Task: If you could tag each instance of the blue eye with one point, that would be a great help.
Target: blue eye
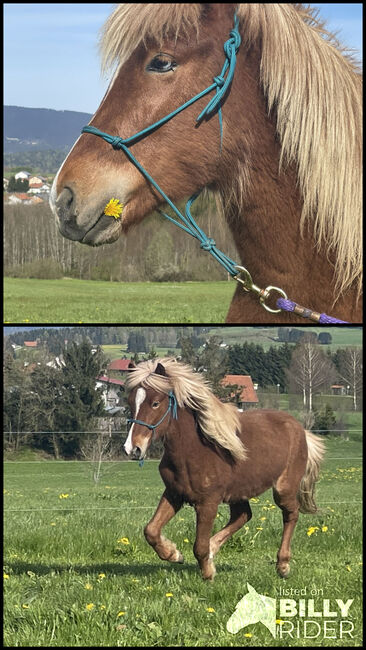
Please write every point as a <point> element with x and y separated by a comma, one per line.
<point>161,63</point>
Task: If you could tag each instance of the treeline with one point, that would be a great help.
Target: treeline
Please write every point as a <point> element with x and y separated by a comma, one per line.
<point>43,162</point>
<point>155,250</point>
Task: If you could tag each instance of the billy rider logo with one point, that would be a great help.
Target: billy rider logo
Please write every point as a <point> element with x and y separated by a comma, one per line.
<point>298,619</point>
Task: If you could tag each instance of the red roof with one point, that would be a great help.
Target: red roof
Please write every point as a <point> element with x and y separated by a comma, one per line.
<point>22,196</point>
<point>248,393</point>
<point>110,380</point>
<point>31,344</point>
<point>119,364</point>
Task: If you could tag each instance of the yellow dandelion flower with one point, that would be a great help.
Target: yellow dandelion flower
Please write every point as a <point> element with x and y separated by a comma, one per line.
<point>186,540</point>
<point>89,606</point>
<point>278,621</point>
<point>120,614</point>
<point>63,496</point>
<point>312,530</point>
<point>248,634</point>
<point>102,607</point>
<point>25,606</point>
<point>123,540</point>
<point>259,528</point>
<point>101,576</point>
<point>210,609</point>
<point>324,529</point>
<point>348,568</point>
<point>263,518</point>
<point>113,208</point>
<point>169,595</point>
<point>88,586</point>
<point>52,523</point>
<point>6,577</point>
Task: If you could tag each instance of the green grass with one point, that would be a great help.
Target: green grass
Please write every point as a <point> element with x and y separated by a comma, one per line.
<point>87,301</point>
<point>63,554</point>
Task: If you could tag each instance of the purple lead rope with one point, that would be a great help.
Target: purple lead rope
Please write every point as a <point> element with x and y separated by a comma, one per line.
<point>289,305</point>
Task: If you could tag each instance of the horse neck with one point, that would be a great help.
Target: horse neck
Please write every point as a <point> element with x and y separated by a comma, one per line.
<point>182,435</point>
<point>266,223</point>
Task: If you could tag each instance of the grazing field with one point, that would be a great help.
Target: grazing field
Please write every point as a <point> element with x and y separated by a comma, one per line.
<point>78,572</point>
<point>88,301</point>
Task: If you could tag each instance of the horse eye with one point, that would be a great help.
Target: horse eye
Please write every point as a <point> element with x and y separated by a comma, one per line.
<point>155,405</point>
<point>161,63</point>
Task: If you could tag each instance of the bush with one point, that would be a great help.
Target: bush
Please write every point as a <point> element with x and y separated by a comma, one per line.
<point>46,269</point>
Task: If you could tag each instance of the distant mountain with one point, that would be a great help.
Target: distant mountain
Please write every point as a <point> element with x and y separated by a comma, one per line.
<point>39,129</point>
<point>15,329</point>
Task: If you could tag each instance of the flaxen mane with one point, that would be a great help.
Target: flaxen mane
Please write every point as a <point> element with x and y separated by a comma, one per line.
<point>315,89</point>
<point>219,422</point>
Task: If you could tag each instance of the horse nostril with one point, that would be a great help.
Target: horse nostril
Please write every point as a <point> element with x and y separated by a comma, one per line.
<point>64,204</point>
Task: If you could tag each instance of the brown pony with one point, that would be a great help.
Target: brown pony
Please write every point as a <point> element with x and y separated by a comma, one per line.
<point>288,177</point>
<point>213,454</point>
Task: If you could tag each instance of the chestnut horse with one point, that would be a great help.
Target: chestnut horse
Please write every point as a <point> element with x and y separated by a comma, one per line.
<point>286,169</point>
<point>213,454</point>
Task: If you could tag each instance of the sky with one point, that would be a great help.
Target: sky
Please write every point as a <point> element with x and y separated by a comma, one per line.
<point>51,55</point>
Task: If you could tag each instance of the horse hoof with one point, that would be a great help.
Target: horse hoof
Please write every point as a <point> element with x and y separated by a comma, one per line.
<point>177,557</point>
<point>283,570</point>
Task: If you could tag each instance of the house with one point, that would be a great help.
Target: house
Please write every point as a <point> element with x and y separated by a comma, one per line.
<point>338,389</point>
<point>30,344</point>
<point>248,396</point>
<point>23,176</point>
<point>19,197</point>
<point>112,391</point>
<point>120,364</point>
<point>36,180</point>
<point>37,188</point>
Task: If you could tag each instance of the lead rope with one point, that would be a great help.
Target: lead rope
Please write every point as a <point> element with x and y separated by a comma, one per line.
<point>239,273</point>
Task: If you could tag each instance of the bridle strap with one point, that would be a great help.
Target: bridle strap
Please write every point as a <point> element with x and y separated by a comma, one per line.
<point>172,407</point>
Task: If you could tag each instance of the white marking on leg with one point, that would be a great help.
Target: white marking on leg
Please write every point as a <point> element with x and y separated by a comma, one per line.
<point>139,399</point>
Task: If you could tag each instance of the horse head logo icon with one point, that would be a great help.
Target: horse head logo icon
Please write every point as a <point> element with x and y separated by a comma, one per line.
<point>253,608</point>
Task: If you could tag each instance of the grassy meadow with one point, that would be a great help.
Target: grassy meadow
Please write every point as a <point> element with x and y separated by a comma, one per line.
<point>78,571</point>
<point>88,301</point>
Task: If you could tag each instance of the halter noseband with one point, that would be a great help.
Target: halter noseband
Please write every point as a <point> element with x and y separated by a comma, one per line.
<point>171,408</point>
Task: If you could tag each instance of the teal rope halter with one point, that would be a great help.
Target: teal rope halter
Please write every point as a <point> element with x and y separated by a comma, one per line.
<point>221,85</point>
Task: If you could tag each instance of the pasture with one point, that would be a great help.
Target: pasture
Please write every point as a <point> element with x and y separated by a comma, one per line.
<point>78,572</point>
<point>88,301</point>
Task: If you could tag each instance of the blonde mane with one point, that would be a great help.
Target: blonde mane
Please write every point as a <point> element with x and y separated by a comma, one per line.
<point>218,422</point>
<point>315,89</point>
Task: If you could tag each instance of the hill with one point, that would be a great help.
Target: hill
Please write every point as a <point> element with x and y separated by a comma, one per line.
<point>40,129</point>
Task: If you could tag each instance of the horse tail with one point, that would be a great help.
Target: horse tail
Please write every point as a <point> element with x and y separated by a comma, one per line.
<point>316,450</point>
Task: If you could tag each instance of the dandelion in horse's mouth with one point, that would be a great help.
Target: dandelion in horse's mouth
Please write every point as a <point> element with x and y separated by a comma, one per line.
<point>113,208</point>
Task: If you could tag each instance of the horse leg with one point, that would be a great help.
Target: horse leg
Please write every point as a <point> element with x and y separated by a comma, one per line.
<point>205,515</point>
<point>290,513</point>
<point>240,514</point>
<point>167,508</point>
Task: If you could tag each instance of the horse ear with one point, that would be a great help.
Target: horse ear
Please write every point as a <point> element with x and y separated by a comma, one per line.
<point>160,370</point>
<point>131,365</point>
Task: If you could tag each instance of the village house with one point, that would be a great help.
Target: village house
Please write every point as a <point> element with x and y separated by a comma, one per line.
<point>248,396</point>
<point>22,176</point>
<point>112,393</point>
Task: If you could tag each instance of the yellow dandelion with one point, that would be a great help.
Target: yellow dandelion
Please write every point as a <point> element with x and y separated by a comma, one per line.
<point>324,529</point>
<point>278,621</point>
<point>52,523</point>
<point>6,577</point>
<point>25,606</point>
<point>263,518</point>
<point>259,528</point>
<point>123,540</point>
<point>120,614</point>
<point>89,606</point>
<point>312,530</point>
<point>113,208</point>
<point>186,540</point>
<point>88,586</point>
<point>210,609</point>
<point>63,496</point>
<point>169,595</point>
<point>101,576</point>
<point>248,634</point>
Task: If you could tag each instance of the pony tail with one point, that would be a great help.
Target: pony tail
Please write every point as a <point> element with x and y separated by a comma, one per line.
<point>305,495</point>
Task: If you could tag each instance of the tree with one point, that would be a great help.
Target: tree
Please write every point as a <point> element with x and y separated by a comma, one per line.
<point>351,371</point>
<point>310,370</point>
<point>324,420</point>
<point>80,402</point>
<point>324,338</point>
